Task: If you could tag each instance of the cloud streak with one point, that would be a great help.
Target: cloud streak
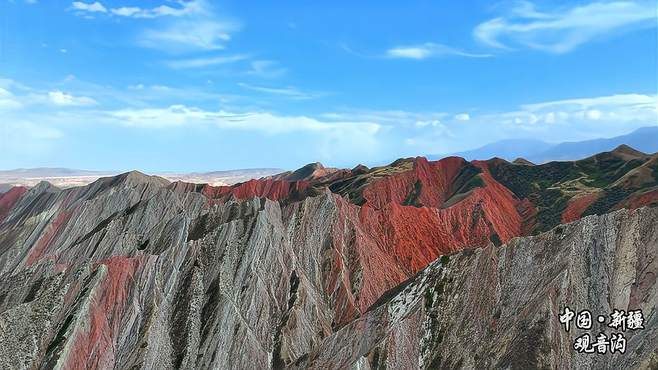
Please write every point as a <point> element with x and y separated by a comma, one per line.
<point>291,92</point>
<point>193,25</point>
<point>185,8</point>
<point>562,30</point>
<point>266,69</point>
<point>8,101</point>
<point>60,98</point>
<point>267,122</point>
<point>189,35</point>
<point>94,7</point>
<point>205,62</point>
<point>429,50</point>
<point>48,117</point>
<point>42,121</point>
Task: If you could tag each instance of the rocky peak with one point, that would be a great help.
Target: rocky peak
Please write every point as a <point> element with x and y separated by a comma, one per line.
<point>523,161</point>
<point>628,152</point>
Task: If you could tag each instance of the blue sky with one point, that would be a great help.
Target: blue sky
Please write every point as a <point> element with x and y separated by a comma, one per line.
<point>199,85</point>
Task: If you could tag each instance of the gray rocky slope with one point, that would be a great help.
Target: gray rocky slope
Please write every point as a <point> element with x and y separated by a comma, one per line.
<point>132,272</point>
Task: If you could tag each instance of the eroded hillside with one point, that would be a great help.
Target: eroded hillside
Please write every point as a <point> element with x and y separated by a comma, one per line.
<point>133,271</point>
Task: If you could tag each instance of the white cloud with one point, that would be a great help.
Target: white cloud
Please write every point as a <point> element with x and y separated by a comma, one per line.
<point>640,100</point>
<point>205,62</point>
<point>341,134</point>
<point>428,50</point>
<point>94,7</point>
<point>613,110</point>
<point>552,121</point>
<point>15,96</point>
<point>186,8</point>
<point>410,52</point>
<point>38,117</point>
<point>433,123</point>
<point>562,30</point>
<point>388,117</point>
<point>61,98</point>
<point>181,115</point>
<point>266,69</point>
<point>593,114</point>
<point>127,11</point>
<point>433,132</point>
<point>8,101</point>
<point>193,25</point>
<point>291,92</point>
<point>462,117</point>
<point>189,35</point>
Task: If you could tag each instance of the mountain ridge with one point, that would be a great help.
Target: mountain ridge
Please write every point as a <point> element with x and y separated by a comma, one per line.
<point>322,268</point>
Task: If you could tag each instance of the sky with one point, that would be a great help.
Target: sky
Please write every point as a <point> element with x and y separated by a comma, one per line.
<point>174,85</point>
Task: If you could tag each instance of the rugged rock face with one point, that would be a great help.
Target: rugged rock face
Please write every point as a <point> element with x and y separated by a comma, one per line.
<point>315,268</point>
<point>498,307</point>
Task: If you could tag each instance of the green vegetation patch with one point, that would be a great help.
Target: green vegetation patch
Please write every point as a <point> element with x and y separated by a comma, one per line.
<point>467,179</point>
<point>605,203</point>
<point>551,204</point>
<point>475,182</point>
<point>538,184</point>
<point>352,187</point>
<point>604,169</point>
<point>495,239</point>
<point>543,184</point>
<point>412,198</point>
<point>525,181</point>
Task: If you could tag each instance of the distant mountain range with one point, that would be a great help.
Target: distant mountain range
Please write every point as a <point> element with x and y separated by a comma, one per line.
<point>644,139</point>
<point>536,151</point>
<point>68,177</point>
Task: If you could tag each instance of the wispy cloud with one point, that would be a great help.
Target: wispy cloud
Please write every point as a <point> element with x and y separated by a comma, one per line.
<point>32,119</point>
<point>186,8</point>
<point>182,115</point>
<point>573,119</point>
<point>205,62</point>
<point>290,92</point>
<point>60,98</point>
<point>626,100</point>
<point>563,29</point>
<point>266,69</point>
<point>193,24</point>
<point>20,100</point>
<point>16,96</point>
<point>388,117</point>
<point>553,121</point>
<point>8,101</point>
<point>429,50</point>
<point>183,8</point>
<point>462,117</point>
<point>189,35</point>
<point>617,109</point>
<point>94,7</point>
